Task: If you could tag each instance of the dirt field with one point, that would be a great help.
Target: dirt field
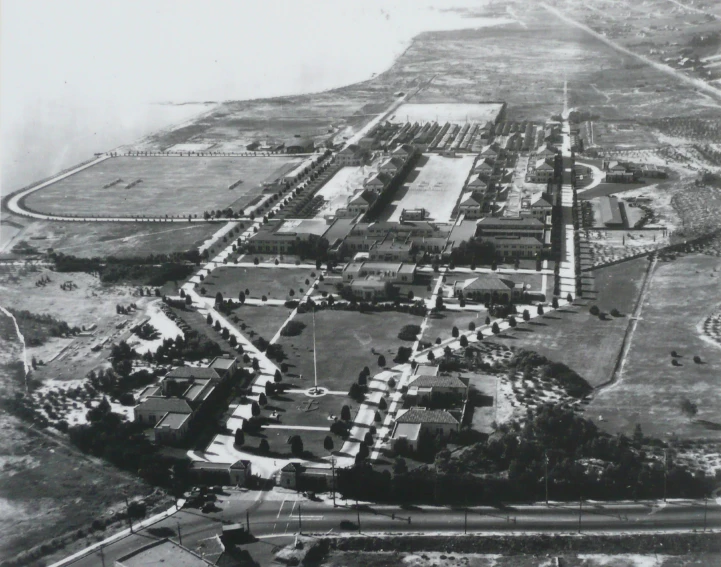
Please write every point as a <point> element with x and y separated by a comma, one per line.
<point>447,112</point>
<point>434,185</point>
<point>341,187</point>
<point>114,239</point>
<point>681,295</point>
<point>168,185</point>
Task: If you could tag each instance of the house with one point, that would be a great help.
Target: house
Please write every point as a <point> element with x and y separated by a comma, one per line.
<point>491,151</point>
<point>384,271</point>
<point>224,474</point>
<point>404,151</point>
<point>172,428</point>
<point>239,473</point>
<point>351,155</point>
<point>545,152</point>
<point>162,552</point>
<point>361,202</point>
<point>367,142</point>
<point>543,171</point>
<point>289,475</point>
<point>425,387</point>
<point>392,165</point>
<point>271,146</point>
<point>226,366</point>
<point>488,287</point>
<point>378,182</point>
<point>540,208</point>
<point>484,166</point>
<point>409,425</point>
<point>476,184</point>
<point>471,205</point>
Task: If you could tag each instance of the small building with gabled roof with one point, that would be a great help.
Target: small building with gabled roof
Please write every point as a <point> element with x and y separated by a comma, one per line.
<point>411,423</point>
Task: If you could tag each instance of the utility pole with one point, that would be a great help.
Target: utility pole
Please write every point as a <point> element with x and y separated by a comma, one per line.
<point>180,536</point>
<point>247,519</point>
<point>665,473</point>
<point>357,509</point>
<point>332,462</point>
<point>127,511</point>
<point>705,508</point>
<point>465,521</point>
<point>102,556</point>
<point>545,458</point>
<point>580,510</point>
<point>300,525</point>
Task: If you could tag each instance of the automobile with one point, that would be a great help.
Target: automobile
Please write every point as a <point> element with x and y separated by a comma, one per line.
<point>348,525</point>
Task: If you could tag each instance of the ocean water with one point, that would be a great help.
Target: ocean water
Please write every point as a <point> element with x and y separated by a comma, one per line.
<point>81,76</point>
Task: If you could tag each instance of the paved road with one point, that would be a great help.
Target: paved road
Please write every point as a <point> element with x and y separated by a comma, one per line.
<point>278,519</point>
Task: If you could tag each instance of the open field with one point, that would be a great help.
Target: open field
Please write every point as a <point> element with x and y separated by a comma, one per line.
<point>273,282</point>
<point>347,341</point>
<point>580,340</point>
<point>165,186</point>
<point>682,293</point>
<point>261,320</point>
<point>434,185</point>
<point>341,187</point>
<point>122,240</point>
<point>447,112</point>
<point>440,325</point>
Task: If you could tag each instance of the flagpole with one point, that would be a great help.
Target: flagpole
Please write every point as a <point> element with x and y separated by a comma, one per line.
<point>315,360</point>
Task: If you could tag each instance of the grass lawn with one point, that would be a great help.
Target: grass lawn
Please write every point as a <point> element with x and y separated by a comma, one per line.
<point>346,342</point>
<point>580,340</point>
<point>260,320</point>
<point>169,185</point>
<point>273,282</point>
<point>682,293</point>
<point>441,324</point>
<point>603,189</point>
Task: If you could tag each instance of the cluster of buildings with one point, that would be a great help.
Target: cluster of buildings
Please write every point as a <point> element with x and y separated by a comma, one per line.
<point>183,395</point>
<point>434,404</point>
<point>297,145</point>
<point>625,172</point>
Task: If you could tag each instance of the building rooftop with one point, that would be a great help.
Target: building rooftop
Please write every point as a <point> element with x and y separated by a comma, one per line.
<point>172,420</point>
<point>162,553</point>
<point>165,405</point>
<point>484,281</point>
<point>420,415</point>
<point>382,266</point>
<point>222,363</point>
<point>510,221</point>
<point>410,431</point>
<point>192,372</point>
<point>524,240</point>
<point>407,269</point>
<point>433,381</point>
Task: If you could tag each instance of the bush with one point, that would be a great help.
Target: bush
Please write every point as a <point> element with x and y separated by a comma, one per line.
<point>409,332</point>
<point>594,310</point>
<point>615,312</point>
<point>697,359</point>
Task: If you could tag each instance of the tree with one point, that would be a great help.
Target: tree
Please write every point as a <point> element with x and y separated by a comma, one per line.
<point>569,298</point>
<point>638,434</point>
<point>495,329</point>
<point>328,443</point>
<point>464,341</point>
<point>256,364</point>
<point>218,298</point>
<point>488,320</point>
<point>262,399</point>
<point>263,446</point>
<point>345,413</point>
<point>400,466</point>
<point>296,445</point>
<point>439,302</point>
<point>554,303</point>
<point>410,295</point>
<point>241,297</point>
<point>594,310</point>
<point>512,322</point>
<point>431,356</point>
<point>356,391</point>
<point>368,439</point>
<point>381,361</point>
<point>216,326</point>
<point>471,326</point>
<point>362,379</point>
<point>277,376</point>
<point>479,335</point>
<point>382,404</point>
<point>454,332</point>
<point>254,409</point>
<point>239,438</point>
<point>256,261</point>
<point>269,388</point>
<point>526,315</point>
<point>363,451</point>
<point>688,407</point>
<point>539,310</point>
<point>233,341</point>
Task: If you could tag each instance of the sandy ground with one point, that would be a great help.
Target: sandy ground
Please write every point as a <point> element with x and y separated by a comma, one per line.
<point>446,112</point>
<point>436,188</point>
<point>341,187</point>
<point>165,326</point>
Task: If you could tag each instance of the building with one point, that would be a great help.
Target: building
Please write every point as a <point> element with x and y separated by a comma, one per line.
<point>300,146</point>
<point>299,171</point>
<point>413,214</point>
<point>476,184</point>
<point>546,152</point>
<point>392,250</point>
<point>378,182</point>
<point>611,214</point>
<point>515,246</point>
<point>154,408</point>
<point>384,271</point>
<point>162,552</point>
<point>543,171</point>
<point>425,387</point>
<point>485,288</point>
<point>351,155</point>
<point>540,208</point>
<point>619,172</point>
<point>172,428</point>
<point>409,425</point>
<point>484,166</point>
<point>289,476</point>
<point>510,226</point>
<point>361,202</point>
<point>491,151</point>
<point>226,366</point>
<point>471,205</point>
<point>392,165</point>
<point>403,151</point>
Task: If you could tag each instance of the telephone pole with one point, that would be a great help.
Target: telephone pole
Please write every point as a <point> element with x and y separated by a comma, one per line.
<point>300,525</point>
<point>665,473</point>
<point>332,462</point>
<point>180,536</point>
<point>545,458</point>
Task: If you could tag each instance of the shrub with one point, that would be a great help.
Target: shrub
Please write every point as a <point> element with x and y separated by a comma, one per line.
<point>615,312</point>
<point>409,332</point>
<point>594,310</point>
<point>697,359</point>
